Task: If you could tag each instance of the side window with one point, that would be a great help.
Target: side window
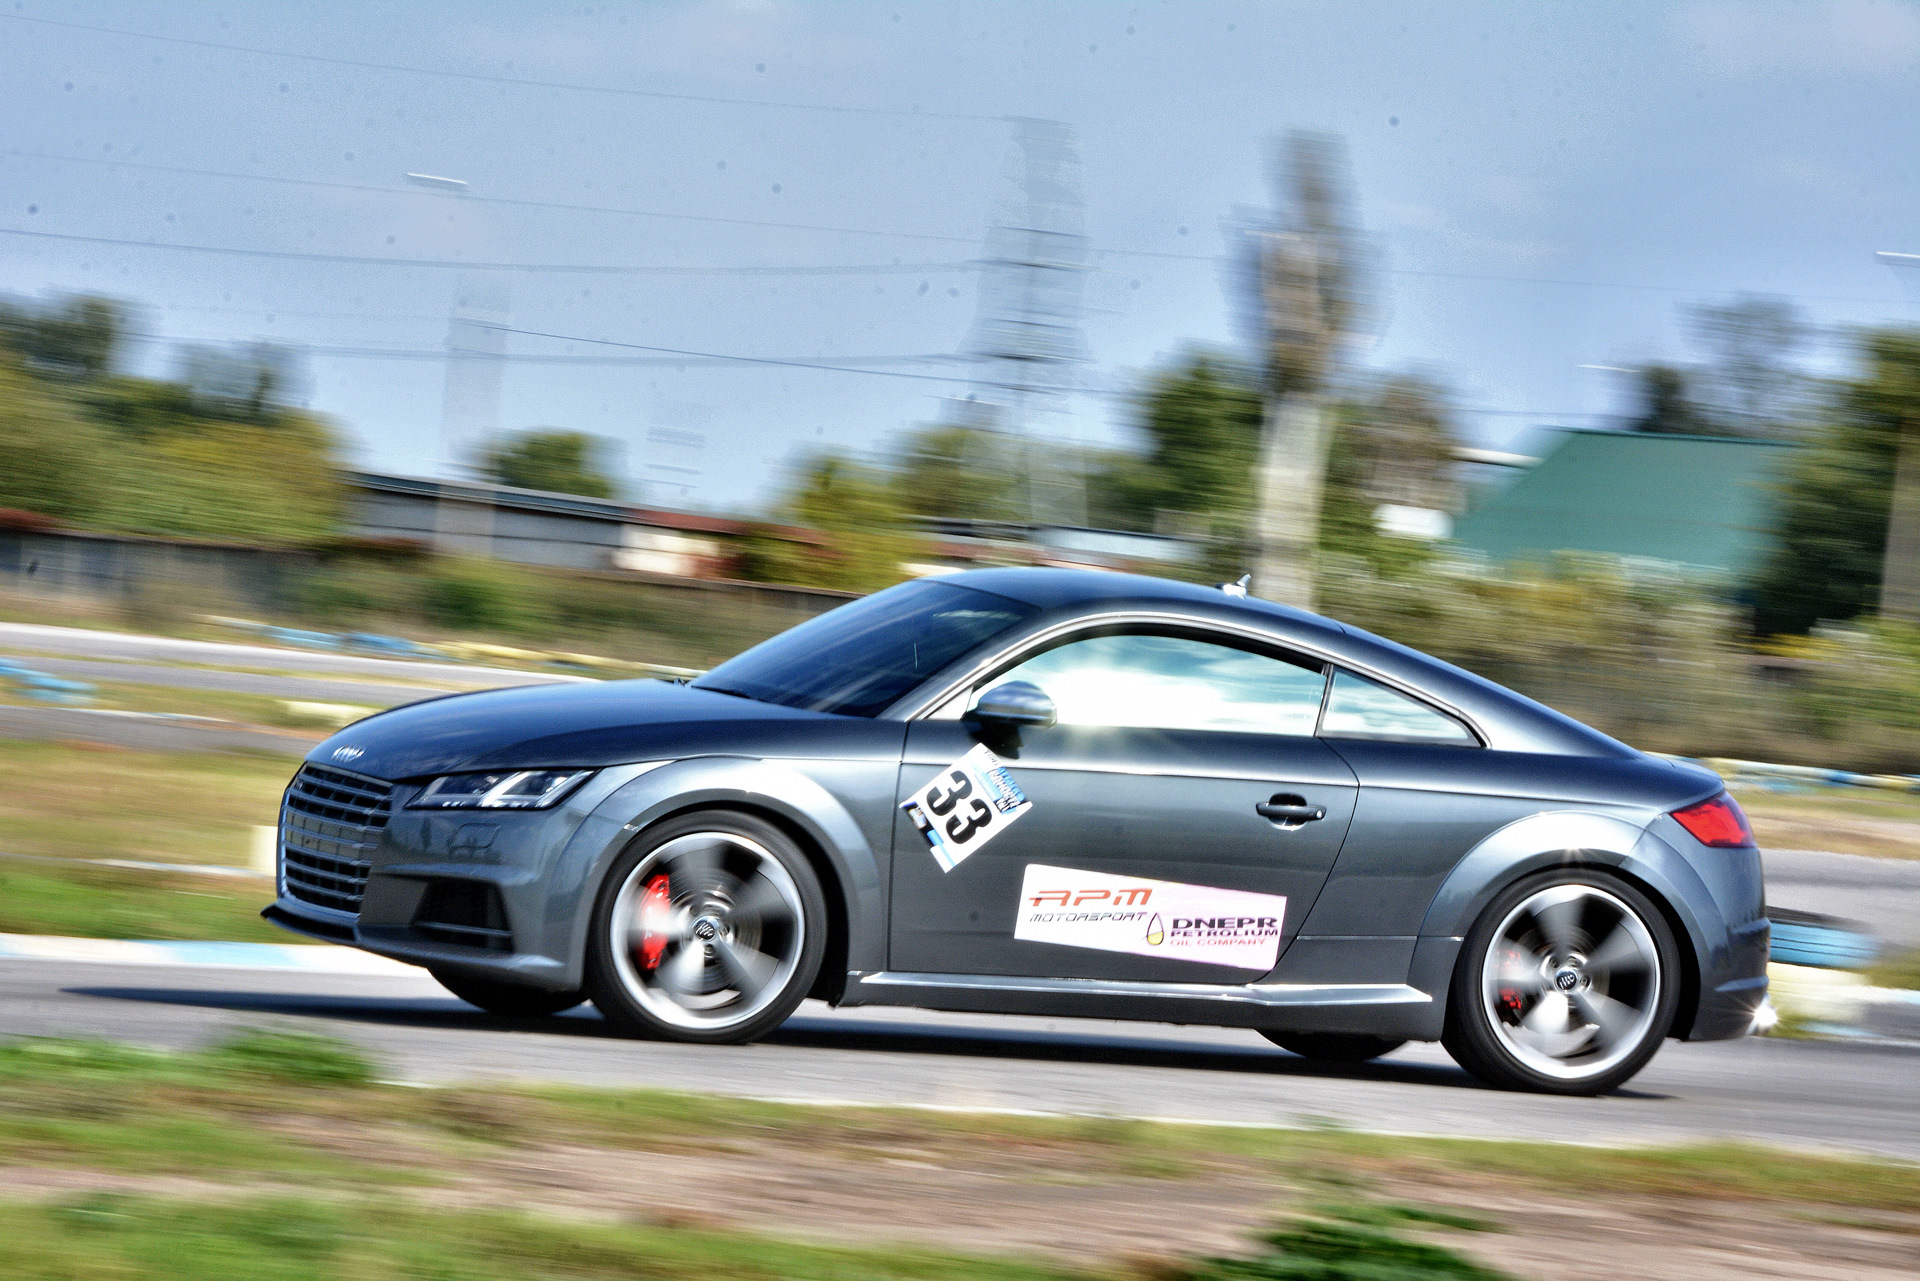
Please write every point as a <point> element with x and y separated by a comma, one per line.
<point>1173,682</point>
<point>1360,708</point>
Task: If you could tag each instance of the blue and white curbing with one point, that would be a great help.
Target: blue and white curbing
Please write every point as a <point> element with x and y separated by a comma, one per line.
<point>314,959</point>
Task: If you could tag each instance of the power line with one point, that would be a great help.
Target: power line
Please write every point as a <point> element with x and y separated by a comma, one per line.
<point>727,358</point>
<point>519,81</point>
<point>372,188</point>
<point>926,237</point>
<point>852,364</point>
<point>844,269</point>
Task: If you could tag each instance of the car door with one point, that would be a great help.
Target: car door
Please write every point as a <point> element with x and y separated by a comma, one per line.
<point>1145,846</point>
<point>1429,792</point>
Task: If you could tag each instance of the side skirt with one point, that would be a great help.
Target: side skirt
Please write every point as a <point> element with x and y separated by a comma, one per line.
<point>1384,1009</point>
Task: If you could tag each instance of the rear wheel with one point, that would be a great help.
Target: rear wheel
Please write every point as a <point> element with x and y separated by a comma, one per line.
<point>1567,984</point>
<point>711,928</point>
<point>509,1000</point>
<point>1334,1047</point>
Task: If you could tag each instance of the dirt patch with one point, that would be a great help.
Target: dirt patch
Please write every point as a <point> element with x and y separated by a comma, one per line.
<point>1635,1239</point>
<point>999,1197</point>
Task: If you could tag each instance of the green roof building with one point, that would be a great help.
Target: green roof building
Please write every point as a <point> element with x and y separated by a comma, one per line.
<point>1705,503</point>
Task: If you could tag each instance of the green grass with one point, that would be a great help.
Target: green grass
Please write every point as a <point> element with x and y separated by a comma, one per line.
<point>1851,820</point>
<point>1900,969</point>
<point>285,1239</point>
<point>85,901</point>
<point>70,800</point>
<point>217,704</point>
<point>225,1090</point>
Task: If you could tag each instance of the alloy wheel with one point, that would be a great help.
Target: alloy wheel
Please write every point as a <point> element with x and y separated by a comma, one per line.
<point>1572,983</point>
<point>707,931</point>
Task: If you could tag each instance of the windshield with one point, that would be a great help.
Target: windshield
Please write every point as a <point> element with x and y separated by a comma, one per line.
<point>863,657</point>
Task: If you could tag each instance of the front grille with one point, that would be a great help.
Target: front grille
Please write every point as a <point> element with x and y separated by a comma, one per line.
<point>330,823</point>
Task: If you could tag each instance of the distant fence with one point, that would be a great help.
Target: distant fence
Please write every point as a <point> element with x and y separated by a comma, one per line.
<point>128,572</point>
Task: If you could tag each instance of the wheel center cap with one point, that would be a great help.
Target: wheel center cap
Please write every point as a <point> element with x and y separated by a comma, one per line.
<point>706,929</point>
<point>1566,979</point>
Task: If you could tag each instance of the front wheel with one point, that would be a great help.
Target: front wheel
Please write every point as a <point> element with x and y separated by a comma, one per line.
<point>710,928</point>
<point>1334,1047</point>
<point>1567,984</point>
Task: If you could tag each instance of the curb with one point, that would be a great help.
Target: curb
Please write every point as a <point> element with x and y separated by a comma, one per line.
<point>313,958</point>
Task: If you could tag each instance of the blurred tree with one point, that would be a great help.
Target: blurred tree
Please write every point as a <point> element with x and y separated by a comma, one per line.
<point>1401,439</point>
<point>212,478</point>
<point>563,462</point>
<point>249,382</point>
<point>865,535</point>
<point>52,460</point>
<point>76,335</point>
<point>1750,384</point>
<point>1832,543</point>
<point>1664,404</point>
<point>1391,443</point>
<point>1305,289</point>
<point>1201,418</point>
<point>959,472</point>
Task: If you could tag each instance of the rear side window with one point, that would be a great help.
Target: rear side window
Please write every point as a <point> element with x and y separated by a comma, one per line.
<point>1360,708</point>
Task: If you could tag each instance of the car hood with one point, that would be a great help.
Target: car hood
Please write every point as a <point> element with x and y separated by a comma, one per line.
<point>584,725</point>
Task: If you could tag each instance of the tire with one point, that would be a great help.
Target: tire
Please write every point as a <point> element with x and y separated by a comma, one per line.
<point>509,1000</point>
<point>710,928</point>
<point>1567,984</point>
<point>1334,1047</point>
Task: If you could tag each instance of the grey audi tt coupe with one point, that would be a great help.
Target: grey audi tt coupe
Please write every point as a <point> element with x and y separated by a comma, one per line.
<point>1050,792</point>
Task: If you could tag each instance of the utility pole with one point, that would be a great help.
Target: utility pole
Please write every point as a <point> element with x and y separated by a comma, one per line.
<point>1900,571</point>
<point>1026,344</point>
<point>1301,293</point>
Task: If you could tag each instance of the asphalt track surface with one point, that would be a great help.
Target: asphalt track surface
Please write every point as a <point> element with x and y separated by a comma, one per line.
<point>1840,1096</point>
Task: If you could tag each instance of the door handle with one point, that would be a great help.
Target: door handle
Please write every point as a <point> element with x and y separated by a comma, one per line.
<point>1290,811</point>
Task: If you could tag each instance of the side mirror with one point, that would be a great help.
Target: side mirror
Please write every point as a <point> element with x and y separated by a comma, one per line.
<point>1015,703</point>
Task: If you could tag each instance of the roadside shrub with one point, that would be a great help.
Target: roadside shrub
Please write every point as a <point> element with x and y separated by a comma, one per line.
<point>481,596</point>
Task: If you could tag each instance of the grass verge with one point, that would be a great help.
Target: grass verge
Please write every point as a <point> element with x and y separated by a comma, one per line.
<point>1901,969</point>
<point>81,900</point>
<point>290,1239</point>
<point>69,800</point>
<point>1859,820</point>
<point>266,1083</point>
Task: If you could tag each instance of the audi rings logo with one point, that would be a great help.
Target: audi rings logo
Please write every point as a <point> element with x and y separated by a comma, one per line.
<point>348,753</point>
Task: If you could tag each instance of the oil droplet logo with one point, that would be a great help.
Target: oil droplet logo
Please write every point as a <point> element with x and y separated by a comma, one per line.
<point>1155,934</point>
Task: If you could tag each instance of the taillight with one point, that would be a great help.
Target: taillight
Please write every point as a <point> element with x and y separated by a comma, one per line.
<point>1717,822</point>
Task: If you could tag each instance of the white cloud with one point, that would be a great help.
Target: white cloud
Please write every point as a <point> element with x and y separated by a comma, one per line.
<point>1744,37</point>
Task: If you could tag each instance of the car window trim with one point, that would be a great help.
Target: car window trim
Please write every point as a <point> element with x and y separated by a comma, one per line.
<point>1265,648</point>
<point>1326,701</point>
<point>918,706</point>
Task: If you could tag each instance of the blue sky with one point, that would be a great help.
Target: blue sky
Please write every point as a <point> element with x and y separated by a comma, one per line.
<point>1547,183</point>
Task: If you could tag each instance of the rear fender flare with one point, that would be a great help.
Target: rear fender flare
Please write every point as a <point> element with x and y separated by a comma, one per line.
<point>1570,838</point>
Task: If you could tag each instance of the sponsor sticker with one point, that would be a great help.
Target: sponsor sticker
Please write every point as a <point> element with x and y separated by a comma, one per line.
<point>966,805</point>
<point>1150,918</point>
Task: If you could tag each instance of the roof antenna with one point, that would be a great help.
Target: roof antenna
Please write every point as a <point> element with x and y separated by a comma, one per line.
<point>1239,586</point>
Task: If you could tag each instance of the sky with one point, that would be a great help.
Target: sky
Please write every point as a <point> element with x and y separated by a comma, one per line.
<point>808,184</point>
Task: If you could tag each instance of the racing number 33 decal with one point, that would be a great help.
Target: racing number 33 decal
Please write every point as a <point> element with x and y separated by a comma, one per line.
<point>966,805</point>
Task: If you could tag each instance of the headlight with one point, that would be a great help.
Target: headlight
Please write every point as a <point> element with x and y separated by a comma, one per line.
<point>528,789</point>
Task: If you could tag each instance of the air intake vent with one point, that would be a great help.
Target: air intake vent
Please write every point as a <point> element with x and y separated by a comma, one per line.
<point>469,913</point>
<point>330,823</point>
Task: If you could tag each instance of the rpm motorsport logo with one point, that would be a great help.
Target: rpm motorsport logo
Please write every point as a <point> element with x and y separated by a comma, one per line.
<point>1150,918</point>
<point>348,753</point>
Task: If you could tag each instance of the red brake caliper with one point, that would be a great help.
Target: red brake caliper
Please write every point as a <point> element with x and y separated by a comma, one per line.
<point>1510,996</point>
<point>656,907</point>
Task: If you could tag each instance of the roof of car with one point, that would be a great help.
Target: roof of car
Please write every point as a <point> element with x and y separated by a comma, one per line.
<point>1528,725</point>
